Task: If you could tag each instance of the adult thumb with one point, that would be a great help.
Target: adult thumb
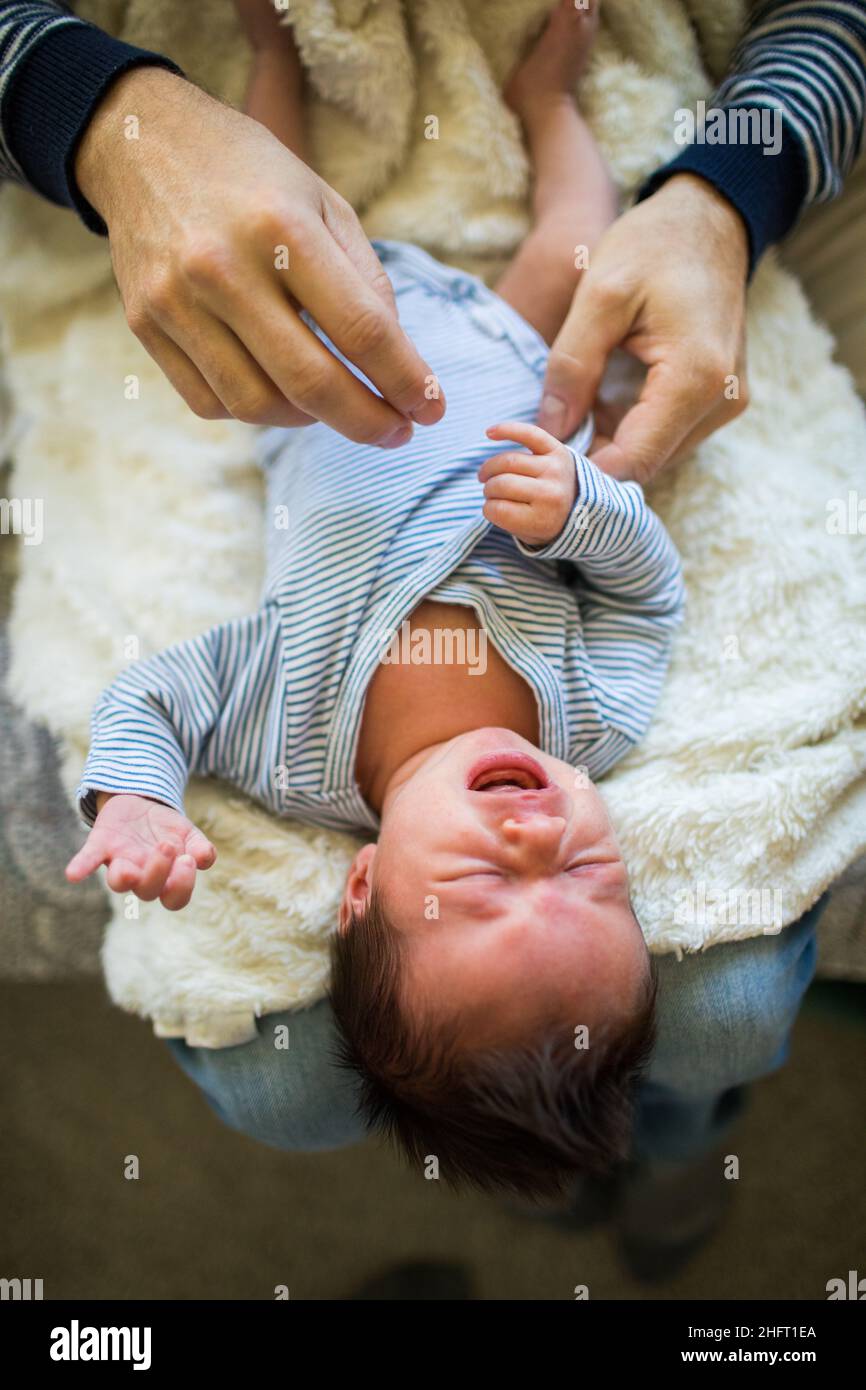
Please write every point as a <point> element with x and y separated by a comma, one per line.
<point>596,323</point>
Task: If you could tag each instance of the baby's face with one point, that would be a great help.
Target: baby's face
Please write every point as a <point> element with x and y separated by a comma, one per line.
<point>500,868</point>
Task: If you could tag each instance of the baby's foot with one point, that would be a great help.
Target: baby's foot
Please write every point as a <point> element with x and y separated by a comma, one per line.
<point>558,58</point>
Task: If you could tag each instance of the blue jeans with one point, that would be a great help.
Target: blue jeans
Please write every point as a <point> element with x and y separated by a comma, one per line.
<point>724,1016</point>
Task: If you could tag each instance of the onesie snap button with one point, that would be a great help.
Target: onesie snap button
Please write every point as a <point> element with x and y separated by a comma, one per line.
<point>484,317</point>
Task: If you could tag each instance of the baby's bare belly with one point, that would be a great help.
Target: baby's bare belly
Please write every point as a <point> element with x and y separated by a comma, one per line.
<point>439,686</point>
<point>441,677</point>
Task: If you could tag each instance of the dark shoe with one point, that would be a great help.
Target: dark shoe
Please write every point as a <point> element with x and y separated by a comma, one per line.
<point>668,1211</point>
<point>421,1280</point>
<point>590,1202</point>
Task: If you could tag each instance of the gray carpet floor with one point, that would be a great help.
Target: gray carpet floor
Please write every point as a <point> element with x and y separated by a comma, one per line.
<point>38,833</point>
<point>215,1215</point>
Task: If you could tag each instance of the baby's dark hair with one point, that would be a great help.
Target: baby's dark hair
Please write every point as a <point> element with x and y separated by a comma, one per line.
<point>524,1119</point>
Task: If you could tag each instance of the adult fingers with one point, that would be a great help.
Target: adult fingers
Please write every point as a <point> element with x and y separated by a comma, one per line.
<point>599,319</point>
<point>677,394</point>
<point>303,369</point>
<point>343,284</point>
<point>720,415</point>
<point>730,404</point>
<point>342,222</point>
<point>183,374</point>
<point>213,372</point>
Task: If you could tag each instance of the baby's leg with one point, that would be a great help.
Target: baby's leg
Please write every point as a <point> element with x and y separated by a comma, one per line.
<point>275,91</point>
<point>574,198</point>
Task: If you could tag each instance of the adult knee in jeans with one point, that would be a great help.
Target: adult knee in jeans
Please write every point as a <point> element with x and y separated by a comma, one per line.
<point>724,1020</point>
<point>725,1014</point>
<point>290,1097</point>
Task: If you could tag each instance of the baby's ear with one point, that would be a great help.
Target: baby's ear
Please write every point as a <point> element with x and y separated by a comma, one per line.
<point>356,893</point>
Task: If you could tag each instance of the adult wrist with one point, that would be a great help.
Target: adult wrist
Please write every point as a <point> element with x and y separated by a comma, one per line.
<point>706,210</point>
<point>50,101</point>
<point>117,127</point>
<point>768,191</point>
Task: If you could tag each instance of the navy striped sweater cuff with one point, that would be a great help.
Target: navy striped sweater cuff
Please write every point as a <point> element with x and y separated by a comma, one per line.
<point>49,110</point>
<point>768,191</point>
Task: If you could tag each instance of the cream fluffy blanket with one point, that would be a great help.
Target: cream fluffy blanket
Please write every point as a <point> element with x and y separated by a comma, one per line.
<point>748,796</point>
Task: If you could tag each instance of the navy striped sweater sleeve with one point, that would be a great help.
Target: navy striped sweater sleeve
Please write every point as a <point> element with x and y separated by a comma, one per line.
<point>54,71</point>
<point>805,59</point>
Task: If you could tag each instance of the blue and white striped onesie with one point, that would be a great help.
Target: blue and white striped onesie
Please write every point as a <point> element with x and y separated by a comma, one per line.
<point>272,703</point>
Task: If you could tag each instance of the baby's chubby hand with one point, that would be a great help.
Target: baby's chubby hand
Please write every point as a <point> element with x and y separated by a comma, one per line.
<point>529,492</point>
<point>150,849</point>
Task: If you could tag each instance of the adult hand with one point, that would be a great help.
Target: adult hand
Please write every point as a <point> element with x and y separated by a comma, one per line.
<point>666,283</point>
<point>218,236</point>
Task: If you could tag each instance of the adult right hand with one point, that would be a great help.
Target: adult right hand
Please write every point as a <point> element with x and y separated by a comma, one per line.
<point>666,283</point>
<point>218,236</point>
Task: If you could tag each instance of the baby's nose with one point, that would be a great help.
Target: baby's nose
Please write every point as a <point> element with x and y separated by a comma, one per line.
<point>534,839</point>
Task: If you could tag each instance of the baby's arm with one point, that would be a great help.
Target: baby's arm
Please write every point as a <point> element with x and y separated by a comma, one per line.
<point>629,586</point>
<point>559,506</point>
<point>152,727</point>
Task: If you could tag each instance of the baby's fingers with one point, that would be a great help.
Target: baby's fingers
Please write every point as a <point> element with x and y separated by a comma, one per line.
<point>203,852</point>
<point>509,516</point>
<point>533,436</point>
<point>179,884</point>
<point>123,876</point>
<point>525,463</point>
<point>509,487</point>
<point>91,855</point>
<point>155,872</point>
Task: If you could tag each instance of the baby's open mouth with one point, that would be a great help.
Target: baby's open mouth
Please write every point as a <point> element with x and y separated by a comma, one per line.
<point>514,781</point>
<point>507,772</point>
